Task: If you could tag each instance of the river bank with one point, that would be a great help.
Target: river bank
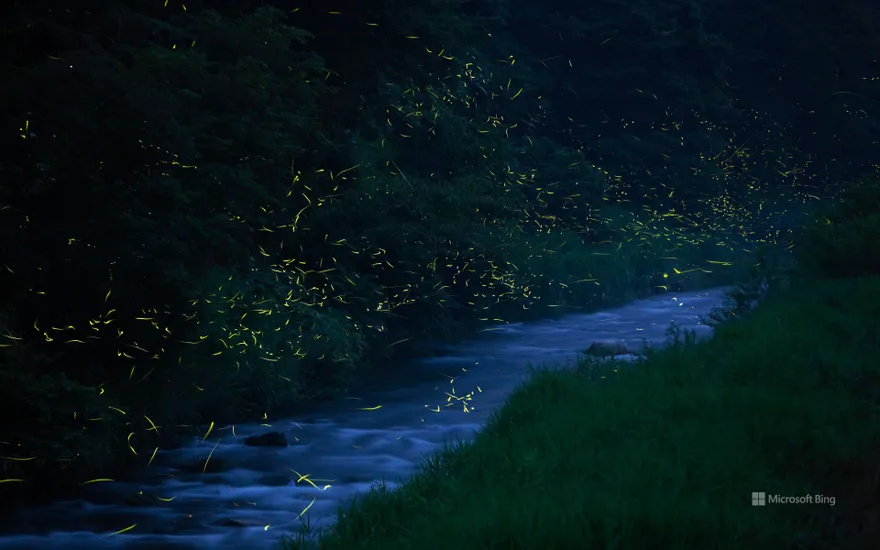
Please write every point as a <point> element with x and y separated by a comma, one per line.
<point>699,446</point>
<point>218,492</point>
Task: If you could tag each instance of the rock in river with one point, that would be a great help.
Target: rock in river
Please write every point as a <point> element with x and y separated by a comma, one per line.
<point>269,439</point>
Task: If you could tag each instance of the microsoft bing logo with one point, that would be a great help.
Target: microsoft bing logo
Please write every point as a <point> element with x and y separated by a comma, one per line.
<point>763,499</point>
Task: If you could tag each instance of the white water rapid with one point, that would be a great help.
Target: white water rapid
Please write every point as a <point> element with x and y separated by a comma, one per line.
<point>338,450</point>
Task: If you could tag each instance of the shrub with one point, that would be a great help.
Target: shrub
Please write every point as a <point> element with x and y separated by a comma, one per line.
<point>843,243</point>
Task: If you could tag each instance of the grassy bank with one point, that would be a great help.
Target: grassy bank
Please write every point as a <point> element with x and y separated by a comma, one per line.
<point>668,453</point>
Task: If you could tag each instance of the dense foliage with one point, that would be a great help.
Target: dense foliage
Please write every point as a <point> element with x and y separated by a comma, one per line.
<point>215,211</point>
<point>843,241</point>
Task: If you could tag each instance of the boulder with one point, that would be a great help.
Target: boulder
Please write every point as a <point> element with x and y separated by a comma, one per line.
<point>269,439</point>
<point>608,349</point>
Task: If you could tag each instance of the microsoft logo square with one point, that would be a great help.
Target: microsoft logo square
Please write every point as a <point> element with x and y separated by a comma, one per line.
<point>759,499</point>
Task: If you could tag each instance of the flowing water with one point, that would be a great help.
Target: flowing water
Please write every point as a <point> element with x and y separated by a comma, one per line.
<point>338,450</point>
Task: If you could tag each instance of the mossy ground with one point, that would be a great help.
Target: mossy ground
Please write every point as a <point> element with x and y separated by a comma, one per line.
<point>666,453</point>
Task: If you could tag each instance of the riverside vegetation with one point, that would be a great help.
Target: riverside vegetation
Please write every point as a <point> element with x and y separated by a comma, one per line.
<point>216,213</point>
<point>666,452</point>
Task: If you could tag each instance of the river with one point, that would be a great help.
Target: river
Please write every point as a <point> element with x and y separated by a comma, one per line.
<point>340,448</point>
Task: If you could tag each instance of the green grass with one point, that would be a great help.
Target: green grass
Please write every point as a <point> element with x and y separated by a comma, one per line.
<point>663,453</point>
